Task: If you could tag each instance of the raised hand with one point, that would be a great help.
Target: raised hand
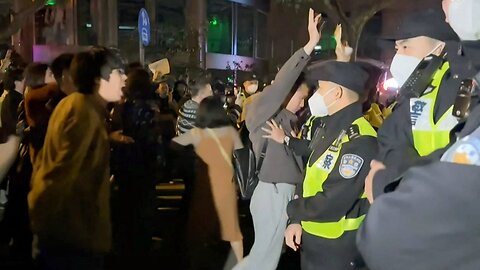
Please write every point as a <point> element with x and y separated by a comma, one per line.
<point>343,51</point>
<point>5,63</point>
<point>313,32</point>
<point>118,137</point>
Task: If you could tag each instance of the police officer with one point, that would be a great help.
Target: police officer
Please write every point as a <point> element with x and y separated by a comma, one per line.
<point>331,205</point>
<point>251,85</point>
<point>429,221</point>
<point>422,121</point>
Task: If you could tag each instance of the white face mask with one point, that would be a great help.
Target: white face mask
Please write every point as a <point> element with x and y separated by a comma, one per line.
<point>317,104</point>
<point>403,66</point>
<point>252,89</point>
<point>462,16</point>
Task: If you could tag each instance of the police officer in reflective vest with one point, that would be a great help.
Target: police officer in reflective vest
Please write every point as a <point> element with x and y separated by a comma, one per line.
<point>422,121</point>
<point>331,204</point>
<point>430,221</point>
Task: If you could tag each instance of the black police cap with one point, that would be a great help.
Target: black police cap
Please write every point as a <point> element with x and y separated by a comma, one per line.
<point>251,77</point>
<point>430,23</point>
<point>349,75</point>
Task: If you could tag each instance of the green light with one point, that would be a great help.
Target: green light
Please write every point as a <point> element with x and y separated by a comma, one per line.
<point>214,21</point>
<point>51,3</point>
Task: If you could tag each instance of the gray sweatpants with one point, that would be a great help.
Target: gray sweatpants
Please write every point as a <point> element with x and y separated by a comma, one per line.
<point>269,212</point>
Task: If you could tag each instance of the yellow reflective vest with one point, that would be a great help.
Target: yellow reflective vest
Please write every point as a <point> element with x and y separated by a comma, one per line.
<point>429,136</point>
<point>317,174</point>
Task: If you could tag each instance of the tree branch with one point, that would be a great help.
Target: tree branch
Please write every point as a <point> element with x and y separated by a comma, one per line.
<point>341,11</point>
<point>326,6</point>
<point>365,14</point>
<point>20,18</point>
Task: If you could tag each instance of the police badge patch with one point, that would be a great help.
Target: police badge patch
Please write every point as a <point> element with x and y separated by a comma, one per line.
<point>465,152</point>
<point>350,165</point>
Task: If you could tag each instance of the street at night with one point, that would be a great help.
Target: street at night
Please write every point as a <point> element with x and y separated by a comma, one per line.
<point>239,134</point>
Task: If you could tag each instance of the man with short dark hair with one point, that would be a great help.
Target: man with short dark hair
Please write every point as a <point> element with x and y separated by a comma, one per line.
<point>60,67</point>
<point>39,104</point>
<point>69,200</point>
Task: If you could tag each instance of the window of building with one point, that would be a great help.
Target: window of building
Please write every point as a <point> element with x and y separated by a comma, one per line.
<point>262,38</point>
<point>85,25</point>
<point>219,15</point>
<point>245,30</point>
<point>169,29</point>
<point>50,25</point>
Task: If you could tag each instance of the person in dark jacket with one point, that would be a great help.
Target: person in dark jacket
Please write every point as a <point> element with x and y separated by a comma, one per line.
<point>134,170</point>
<point>15,235</point>
<point>429,221</point>
<point>421,122</point>
<point>281,169</point>
<point>14,85</point>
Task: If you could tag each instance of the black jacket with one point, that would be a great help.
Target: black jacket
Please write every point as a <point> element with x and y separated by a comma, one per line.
<point>9,111</point>
<point>431,221</point>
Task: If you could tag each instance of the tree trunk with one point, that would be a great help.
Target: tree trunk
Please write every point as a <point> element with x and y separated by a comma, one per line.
<point>354,35</point>
<point>196,14</point>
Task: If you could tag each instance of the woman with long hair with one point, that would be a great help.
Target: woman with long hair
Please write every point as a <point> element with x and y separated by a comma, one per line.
<point>215,139</point>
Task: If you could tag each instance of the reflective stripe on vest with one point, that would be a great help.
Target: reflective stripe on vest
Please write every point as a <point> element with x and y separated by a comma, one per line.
<point>427,135</point>
<point>308,126</point>
<point>317,174</point>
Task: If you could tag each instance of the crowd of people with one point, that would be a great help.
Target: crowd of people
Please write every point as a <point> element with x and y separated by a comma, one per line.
<point>85,139</point>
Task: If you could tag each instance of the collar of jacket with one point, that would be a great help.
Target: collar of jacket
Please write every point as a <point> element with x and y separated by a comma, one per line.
<point>99,104</point>
<point>334,124</point>
<point>464,58</point>
<point>343,118</point>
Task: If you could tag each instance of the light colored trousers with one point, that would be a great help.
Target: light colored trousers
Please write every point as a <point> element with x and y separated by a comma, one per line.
<point>9,151</point>
<point>269,212</point>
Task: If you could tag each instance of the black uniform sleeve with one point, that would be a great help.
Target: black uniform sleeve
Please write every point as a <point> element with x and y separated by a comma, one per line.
<point>422,161</point>
<point>299,147</point>
<point>396,149</point>
<point>339,194</point>
<point>234,112</point>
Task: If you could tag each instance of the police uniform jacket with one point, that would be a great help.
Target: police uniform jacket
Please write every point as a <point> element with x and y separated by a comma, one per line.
<point>431,221</point>
<point>339,194</point>
<point>301,147</point>
<point>395,138</point>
